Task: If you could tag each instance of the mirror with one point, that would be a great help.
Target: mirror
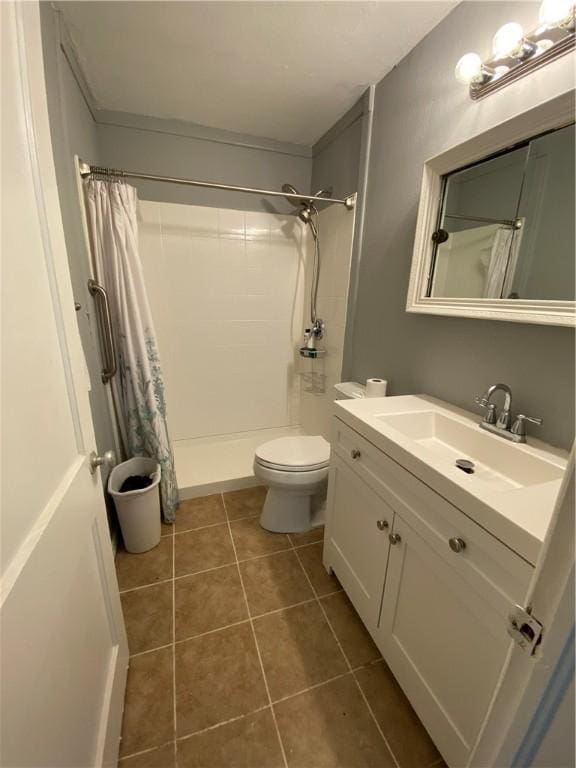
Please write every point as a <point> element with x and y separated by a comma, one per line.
<point>495,230</point>
<point>506,225</point>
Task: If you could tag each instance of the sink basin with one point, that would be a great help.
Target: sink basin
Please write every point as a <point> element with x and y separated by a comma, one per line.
<point>499,464</point>
<point>513,487</point>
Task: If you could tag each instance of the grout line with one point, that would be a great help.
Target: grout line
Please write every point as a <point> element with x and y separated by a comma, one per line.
<point>206,570</point>
<point>144,586</point>
<point>268,554</point>
<point>285,761</point>
<point>245,517</point>
<point>284,608</point>
<point>311,544</point>
<point>151,650</point>
<point>199,528</point>
<point>224,722</point>
<point>211,631</point>
<point>145,751</point>
<point>349,665</point>
<point>311,688</point>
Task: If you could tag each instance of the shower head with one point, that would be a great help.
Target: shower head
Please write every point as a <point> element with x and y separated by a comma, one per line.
<point>290,190</point>
<point>305,215</point>
<point>306,206</point>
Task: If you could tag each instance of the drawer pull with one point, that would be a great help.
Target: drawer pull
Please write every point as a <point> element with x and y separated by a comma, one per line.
<point>382,524</point>
<point>457,545</point>
<point>394,538</point>
<point>355,453</point>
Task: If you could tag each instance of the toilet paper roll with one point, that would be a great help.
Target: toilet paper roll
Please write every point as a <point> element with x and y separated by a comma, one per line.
<point>376,387</point>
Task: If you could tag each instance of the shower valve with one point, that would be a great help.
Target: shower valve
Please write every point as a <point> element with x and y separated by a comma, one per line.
<point>317,329</point>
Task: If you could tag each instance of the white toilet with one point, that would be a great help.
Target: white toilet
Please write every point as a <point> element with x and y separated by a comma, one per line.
<point>295,471</point>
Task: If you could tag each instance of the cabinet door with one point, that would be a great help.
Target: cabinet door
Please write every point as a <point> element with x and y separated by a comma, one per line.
<point>356,542</point>
<point>445,642</point>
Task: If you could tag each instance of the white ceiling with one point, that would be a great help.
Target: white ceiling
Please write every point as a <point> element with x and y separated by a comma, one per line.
<point>282,70</point>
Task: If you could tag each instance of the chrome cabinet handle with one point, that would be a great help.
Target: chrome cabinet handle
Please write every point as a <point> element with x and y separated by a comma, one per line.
<point>106,336</point>
<point>355,453</point>
<point>394,538</point>
<point>457,545</point>
<point>382,524</point>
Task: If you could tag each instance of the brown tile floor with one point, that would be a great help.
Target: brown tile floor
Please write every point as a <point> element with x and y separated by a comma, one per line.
<point>245,653</point>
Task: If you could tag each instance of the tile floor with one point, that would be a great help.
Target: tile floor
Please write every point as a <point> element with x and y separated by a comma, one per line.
<point>245,653</point>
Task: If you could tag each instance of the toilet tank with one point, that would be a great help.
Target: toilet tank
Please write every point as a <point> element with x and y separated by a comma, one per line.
<point>349,390</point>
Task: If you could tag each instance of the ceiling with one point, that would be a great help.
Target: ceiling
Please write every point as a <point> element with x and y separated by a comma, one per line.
<point>282,70</point>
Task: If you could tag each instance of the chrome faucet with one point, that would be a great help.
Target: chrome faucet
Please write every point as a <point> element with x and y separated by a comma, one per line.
<point>502,424</point>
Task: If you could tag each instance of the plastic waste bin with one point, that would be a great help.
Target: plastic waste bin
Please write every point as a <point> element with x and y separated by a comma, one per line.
<point>138,510</point>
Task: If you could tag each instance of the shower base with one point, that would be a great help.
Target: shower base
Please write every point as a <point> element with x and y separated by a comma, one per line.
<point>206,465</point>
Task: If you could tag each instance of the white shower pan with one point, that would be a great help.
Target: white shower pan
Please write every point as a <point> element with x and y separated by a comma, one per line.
<point>206,465</point>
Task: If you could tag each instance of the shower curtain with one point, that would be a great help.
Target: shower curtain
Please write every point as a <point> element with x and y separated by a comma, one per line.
<point>498,264</point>
<point>138,387</point>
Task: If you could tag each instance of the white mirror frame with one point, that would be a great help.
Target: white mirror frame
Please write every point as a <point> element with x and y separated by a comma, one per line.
<point>555,113</point>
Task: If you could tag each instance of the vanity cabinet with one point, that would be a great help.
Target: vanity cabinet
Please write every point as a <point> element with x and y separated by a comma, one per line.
<point>432,587</point>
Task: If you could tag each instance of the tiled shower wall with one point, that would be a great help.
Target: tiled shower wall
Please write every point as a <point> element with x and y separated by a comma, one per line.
<point>226,293</point>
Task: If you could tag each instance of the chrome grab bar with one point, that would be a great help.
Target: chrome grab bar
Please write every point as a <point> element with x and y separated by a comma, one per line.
<point>106,336</point>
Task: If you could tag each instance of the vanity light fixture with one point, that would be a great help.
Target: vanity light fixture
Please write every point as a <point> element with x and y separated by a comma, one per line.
<point>515,54</point>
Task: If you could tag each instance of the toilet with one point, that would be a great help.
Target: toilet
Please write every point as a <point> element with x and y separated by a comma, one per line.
<point>295,471</point>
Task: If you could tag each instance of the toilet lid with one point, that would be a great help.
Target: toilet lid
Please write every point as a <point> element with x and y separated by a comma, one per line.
<point>295,453</point>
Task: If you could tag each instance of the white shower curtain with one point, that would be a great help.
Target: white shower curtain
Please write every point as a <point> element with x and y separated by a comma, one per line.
<point>498,264</point>
<point>138,386</point>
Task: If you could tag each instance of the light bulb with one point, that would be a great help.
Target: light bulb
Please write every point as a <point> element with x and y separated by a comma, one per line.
<point>469,69</point>
<point>555,13</point>
<point>508,40</point>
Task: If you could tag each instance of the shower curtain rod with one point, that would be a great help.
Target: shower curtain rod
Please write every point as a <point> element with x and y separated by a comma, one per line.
<point>87,170</point>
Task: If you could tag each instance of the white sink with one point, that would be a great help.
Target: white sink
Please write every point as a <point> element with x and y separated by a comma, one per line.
<point>499,464</point>
<point>513,487</point>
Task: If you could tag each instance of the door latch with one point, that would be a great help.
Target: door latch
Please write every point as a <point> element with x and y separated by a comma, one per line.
<point>524,629</point>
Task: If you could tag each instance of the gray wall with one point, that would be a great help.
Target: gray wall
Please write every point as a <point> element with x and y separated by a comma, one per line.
<point>337,155</point>
<point>420,111</point>
<point>169,152</point>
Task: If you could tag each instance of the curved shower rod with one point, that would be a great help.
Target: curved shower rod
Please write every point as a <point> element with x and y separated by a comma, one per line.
<point>87,170</point>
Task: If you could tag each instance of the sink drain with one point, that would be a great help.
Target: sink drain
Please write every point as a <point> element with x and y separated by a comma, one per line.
<point>465,465</point>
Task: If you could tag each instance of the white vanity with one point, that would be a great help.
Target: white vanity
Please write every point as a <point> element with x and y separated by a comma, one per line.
<point>432,557</point>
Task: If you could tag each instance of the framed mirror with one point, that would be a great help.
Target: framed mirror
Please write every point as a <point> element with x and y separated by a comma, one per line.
<point>496,232</point>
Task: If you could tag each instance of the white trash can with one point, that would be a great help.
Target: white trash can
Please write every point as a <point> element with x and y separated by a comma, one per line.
<point>139,510</point>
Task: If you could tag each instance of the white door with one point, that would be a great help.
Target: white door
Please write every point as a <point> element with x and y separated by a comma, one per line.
<point>531,721</point>
<point>64,650</point>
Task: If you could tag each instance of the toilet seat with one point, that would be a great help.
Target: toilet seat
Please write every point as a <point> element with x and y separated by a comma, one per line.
<point>294,454</point>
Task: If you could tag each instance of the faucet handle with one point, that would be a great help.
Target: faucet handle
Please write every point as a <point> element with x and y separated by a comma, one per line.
<point>491,416</point>
<point>519,426</point>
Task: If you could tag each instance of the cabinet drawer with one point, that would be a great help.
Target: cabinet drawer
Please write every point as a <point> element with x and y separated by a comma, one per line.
<point>490,566</point>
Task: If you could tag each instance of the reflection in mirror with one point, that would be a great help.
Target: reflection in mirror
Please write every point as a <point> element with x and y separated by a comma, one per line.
<point>506,225</point>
